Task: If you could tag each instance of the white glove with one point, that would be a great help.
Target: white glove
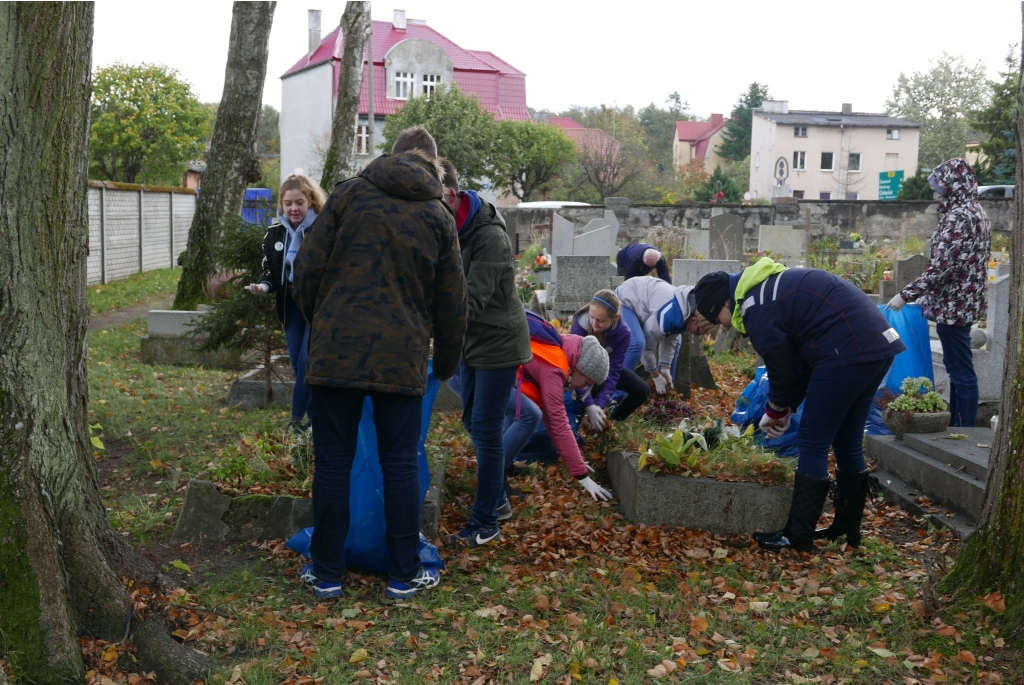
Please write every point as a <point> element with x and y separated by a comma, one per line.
<point>775,428</point>
<point>597,418</point>
<point>662,383</point>
<point>258,288</point>
<point>596,491</point>
<point>895,304</point>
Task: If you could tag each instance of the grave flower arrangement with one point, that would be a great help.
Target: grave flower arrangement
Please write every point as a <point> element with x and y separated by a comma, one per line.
<point>918,410</point>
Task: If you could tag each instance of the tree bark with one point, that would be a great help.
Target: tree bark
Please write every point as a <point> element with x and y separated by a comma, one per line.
<point>356,29</point>
<point>59,557</point>
<point>232,162</point>
<point>993,557</point>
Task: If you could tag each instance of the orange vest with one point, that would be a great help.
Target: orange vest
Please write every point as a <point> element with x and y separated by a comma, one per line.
<point>552,355</point>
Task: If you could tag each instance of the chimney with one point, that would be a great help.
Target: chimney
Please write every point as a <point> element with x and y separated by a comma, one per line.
<point>716,119</point>
<point>314,32</point>
<point>399,21</point>
<point>847,108</point>
<point>776,106</point>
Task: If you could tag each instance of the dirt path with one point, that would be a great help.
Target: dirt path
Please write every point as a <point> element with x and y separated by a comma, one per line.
<point>116,317</point>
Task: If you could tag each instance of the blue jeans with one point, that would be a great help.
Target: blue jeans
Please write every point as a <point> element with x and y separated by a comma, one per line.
<point>517,432</point>
<point>963,382</point>
<point>485,394</point>
<point>540,447</point>
<point>336,413</point>
<point>835,412</point>
<point>296,334</point>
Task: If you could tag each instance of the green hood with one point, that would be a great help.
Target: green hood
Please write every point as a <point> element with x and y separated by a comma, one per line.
<point>750,277</point>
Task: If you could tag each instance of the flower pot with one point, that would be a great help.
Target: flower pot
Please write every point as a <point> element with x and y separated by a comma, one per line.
<point>901,423</point>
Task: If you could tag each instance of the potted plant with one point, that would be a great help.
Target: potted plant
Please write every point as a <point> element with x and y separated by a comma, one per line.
<point>855,238</point>
<point>918,410</point>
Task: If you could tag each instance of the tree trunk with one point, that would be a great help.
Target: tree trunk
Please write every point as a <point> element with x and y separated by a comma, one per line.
<point>232,162</point>
<point>993,557</point>
<point>59,557</point>
<point>356,29</point>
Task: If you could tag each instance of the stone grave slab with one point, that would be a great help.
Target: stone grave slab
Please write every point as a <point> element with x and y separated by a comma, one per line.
<point>169,340</point>
<point>887,290</point>
<point>698,241</point>
<point>784,241</point>
<point>578,279</point>
<point>689,271</point>
<point>907,270</point>
<point>726,237</point>
<point>965,454</point>
<point>201,514</point>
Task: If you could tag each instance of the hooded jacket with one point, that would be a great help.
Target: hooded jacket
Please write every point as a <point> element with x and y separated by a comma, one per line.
<point>663,309</point>
<point>630,263</point>
<point>616,340</point>
<point>953,289</point>
<point>378,272</point>
<point>497,336</point>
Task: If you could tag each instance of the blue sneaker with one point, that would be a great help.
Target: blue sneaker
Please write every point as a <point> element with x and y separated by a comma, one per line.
<point>424,580</point>
<point>321,588</point>
<point>473,537</point>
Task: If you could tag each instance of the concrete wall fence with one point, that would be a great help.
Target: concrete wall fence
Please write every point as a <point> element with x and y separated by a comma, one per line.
<point>135,228</point>
<point>874,220</point>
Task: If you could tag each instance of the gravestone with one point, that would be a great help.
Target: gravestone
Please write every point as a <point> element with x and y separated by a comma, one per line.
<point>689,271</point>
<point>692,366</point>
<point>598,237</point>
<point>887,290</point>
<point>579,277</point>
<point>785,242</point>
<point>726,237</point>
<point>562,233</point>
<point>698,242</point>
<point>169,340</point>
<point>907,270</point>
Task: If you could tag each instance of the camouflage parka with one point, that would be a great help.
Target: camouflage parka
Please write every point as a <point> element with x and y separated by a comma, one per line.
<point>378,274</point>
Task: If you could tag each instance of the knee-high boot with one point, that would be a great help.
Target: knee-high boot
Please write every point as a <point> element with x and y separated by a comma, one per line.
<point>808,500</point>
<point>851,494</point>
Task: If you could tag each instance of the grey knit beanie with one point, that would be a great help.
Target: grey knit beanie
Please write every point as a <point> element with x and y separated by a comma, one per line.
<point>593,361</point>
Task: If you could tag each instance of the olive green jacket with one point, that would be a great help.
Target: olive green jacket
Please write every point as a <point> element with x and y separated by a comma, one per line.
<point>497,336</point>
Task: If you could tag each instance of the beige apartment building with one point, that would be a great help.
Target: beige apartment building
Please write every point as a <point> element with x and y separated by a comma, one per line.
<point>828,155</point>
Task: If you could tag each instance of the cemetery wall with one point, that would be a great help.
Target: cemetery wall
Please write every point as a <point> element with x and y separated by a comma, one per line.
<point>135,228</point>
<point>873,220</point>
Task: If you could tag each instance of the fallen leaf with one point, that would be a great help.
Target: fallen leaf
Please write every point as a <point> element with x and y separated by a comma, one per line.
<point>542,603</point>
<point>994,601</point>
<point>574,671</point>
<point>946,631</point>
<point>884,653</point>
<point>697,625</point>
<point>668,665</point>
<point>179,564</point>
<point>965,657</point>
<point>358,656</point>
<point>362,674</point>
<point>657,672</point>
<point>236,673</point>
<point>110,653</point>
<point>537,670</point>
<point>730,665</point>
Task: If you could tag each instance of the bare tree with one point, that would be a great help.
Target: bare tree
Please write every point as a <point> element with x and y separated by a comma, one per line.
<point>356,29</point>
<point>232,162</point>
<point>60,559</point>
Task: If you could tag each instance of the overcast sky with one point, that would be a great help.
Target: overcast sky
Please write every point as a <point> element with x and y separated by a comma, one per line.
<point>815,54</point>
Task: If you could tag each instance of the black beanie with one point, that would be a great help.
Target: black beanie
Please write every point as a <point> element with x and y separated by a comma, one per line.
<point>712,292</point>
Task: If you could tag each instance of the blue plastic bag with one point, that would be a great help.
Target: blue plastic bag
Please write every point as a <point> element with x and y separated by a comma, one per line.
<point>750,408</point>
<point>429,556</point>
<point>916,360</point>
<point>364,546</point>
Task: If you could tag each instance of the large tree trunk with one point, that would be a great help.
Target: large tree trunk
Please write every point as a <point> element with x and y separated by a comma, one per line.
<point>356,29</point>
<point>232,162</point>
<point>993,557</point>
<point>59,557</point>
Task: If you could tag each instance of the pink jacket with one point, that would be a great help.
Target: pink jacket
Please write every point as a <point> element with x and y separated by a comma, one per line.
<point>551,382</point>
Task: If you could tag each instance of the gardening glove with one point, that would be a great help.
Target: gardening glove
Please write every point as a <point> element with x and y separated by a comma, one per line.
<point>775,428</point>
<point>596,491</point>
<point>895,304</point>
<point>258,288</point>
<point>597,418</point>
<point>662,383</point>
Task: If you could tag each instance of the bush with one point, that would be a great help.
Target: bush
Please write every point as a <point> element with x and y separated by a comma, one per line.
<point>914,400</point>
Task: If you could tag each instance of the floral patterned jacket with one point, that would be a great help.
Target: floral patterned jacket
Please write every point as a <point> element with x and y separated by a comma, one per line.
<point>953,288</point>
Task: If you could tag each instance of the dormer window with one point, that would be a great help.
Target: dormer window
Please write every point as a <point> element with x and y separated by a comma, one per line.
<point>430,82</point>
<point>404,85</point>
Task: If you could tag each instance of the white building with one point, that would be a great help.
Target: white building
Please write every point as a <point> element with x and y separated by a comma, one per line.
<point>827,155</point>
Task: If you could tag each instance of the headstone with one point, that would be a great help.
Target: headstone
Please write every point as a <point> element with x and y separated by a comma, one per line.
<point>579,277</point>
<point>698,242</point>
<point>598,237</point>
<point>202,514</point>
<point>785,242</point>
<point>724,341</point>
<point>887,290</point>
<point>907,270</point>
<point>562,234</point>
<point>689,271</point>
<point>726,237</point>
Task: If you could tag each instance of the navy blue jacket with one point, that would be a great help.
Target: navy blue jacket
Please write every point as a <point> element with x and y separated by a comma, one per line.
<point>806,319</point>
<point>630,261</point>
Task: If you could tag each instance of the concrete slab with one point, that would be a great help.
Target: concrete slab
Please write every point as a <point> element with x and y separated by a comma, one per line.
<point>962,454</point>
<point>689,271</point>
<point>248,392</point>
<point>897,491</point>
<point>201,514</point>
<point>169,323</point>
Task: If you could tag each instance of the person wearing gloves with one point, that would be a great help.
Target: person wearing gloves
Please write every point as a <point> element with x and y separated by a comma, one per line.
<point>576,364</point>
<point>822,339</point>
<point>602,319</point>
<point>637,260</point>
<point>300,200</point>
<point>953,289</point>
<point>656,313</point>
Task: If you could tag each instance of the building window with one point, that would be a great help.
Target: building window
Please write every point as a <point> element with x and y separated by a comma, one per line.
<point>798,194</point>
<point>757,160</point>
<point>799,131</point>
<point>892,134</point>
<point>854,164</point>
<point>826,161</point>
<point>824,196</point>
<point>799,161</point>
<point>362,139</point>
<point>403,85</point>
<point>430,82</point>
<point>852,196</point>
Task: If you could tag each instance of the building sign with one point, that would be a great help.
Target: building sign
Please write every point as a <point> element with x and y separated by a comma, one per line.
<point>889,183</point>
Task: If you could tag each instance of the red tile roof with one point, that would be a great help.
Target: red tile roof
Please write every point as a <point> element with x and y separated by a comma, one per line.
<point>500,87</point>
<point>563,122</point>
<point>585,138</point>
<point>693,131</point>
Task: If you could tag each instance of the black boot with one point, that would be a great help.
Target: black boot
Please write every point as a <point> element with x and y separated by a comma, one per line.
<point>851,494</point>
<point>808,500</point>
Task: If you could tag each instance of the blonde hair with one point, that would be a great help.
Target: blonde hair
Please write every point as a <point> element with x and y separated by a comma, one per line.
<point>708,329</point>
<point>308,188</point>
<point>611,298</point>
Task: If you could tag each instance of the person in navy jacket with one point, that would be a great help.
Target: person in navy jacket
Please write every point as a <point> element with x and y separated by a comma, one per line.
<point>822,339</point>
<point>638,260</point>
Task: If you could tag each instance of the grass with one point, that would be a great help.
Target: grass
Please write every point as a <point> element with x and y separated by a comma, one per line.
<point>131,290</point>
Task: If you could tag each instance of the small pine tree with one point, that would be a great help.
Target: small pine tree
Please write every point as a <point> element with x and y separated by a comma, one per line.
<point>243,321</point>
<point>915,188</point>
<point>718,182</point>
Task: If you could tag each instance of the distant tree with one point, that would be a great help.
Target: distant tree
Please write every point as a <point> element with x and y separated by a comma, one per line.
<point>464,131</point>
<point>659,127</point>
<point>146,124</point>
<point>739,173</point>
<point>689,178</point>
<point>718,182</point>
<point>941,100</point>
<point>268,137</point>
<point>916,187</point>
<point>355,29</point>
<point>735,143</point>
<point>995,122</point>
<point>527,157</point>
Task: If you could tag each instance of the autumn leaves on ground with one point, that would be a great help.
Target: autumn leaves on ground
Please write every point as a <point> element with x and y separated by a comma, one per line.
<point>574,593</point>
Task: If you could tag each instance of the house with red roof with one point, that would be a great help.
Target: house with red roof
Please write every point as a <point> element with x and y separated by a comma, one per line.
<point>410,59</point>
<point>698,140</point>
<point>585,138</point>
